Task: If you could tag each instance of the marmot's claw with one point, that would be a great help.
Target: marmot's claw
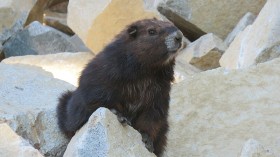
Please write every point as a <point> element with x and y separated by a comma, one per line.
<point>124,120</point>
<point>148,142</point>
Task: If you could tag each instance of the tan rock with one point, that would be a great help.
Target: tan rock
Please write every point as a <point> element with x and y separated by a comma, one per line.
<point>245,21</point>
<point>213,16</point>
<point>213,113</point>
<point>258,42</point>
<point>204,53</point>
<point>97,22</point>
<point>104,136</point>
<point>12,145</point>
<point>63,66</point>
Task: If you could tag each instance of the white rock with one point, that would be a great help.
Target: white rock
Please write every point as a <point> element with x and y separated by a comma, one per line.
<point>12,145</point>
<point>205,52</point>
<point>29,96</point>
<point>104,136</point>
<point>63,66</point>
<point>183,71</point>
<point>212,113</point>
<point>97,22</point>
<point>213,16</point>
<point>245,21</point>
<point>259,42</point>
<point>252,148</point>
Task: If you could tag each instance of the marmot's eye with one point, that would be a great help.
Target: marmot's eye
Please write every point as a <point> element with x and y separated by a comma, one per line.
<point>152,31</point>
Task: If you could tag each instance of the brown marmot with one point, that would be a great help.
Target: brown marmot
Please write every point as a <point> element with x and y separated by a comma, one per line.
<point>132,77</point>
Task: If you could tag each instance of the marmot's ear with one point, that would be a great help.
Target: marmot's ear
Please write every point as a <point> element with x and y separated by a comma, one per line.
<point>132,31</point>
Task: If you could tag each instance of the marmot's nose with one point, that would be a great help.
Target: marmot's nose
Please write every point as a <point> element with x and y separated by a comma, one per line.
<point>179,36</point>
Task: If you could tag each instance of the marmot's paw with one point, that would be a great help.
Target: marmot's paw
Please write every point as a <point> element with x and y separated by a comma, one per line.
<point>148,142</point>
<point>122,119</point>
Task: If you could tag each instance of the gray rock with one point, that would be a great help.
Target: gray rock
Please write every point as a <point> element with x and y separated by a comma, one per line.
<point>13,15</point>
<point>210,16</point>
<point>204,53</point>
<point>246,20</point>
<point>29,96</point>
<point>79,44</point>
<point>12,145</point>
<point>104,136</point>
<point>37,39</point>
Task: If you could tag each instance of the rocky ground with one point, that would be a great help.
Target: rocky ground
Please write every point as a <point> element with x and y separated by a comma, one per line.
<point>224,102</point>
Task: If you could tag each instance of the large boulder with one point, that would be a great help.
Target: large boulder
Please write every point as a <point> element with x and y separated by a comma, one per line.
<point>38,39</point>
<point>63,66</point>
<point>259,42</point>
<point>29,96</point>
<point>13,15</point>
<point>205,52</point>
<point>12,145</point>
<point>210,16</point>
<point>214,113</point>
<point>97,22</point>
<point>103,135</point>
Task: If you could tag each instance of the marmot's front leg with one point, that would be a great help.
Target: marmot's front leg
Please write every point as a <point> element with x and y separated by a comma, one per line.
<point>148,142</point>
<point>153,128</point>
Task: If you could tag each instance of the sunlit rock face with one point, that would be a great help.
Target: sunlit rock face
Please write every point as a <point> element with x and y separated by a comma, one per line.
<point>97,22</point>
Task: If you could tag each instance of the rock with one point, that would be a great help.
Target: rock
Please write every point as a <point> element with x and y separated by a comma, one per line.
<point>214,112</point>
<point>104,136</point>
<point>86,19</point>
<point>259,42</point>
<point>204,53</point>
<point>29,96</point>
<point>37,39</point>
<point>13,145</point>
<point>63,66</point>
<point>245,21</point>
<point>78,43</point>
<point>2,56</point>
<point>269,53</point>
<point>60,7</point>
<point>183,71</point>
<point>210,16</point>
<point>13,14</point>
<point>189,30</point>
<point>37,12</point>
<point>253,148</point>
<point>57,21</point>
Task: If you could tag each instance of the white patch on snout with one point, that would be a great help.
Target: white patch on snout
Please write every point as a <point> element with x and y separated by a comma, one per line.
<point>172,46</point>
<point>170,42</point>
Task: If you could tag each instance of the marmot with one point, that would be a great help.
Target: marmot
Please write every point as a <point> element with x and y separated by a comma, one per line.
<point>131,76</point>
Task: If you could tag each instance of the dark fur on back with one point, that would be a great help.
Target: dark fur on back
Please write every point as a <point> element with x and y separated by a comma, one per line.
<point>131,75</point>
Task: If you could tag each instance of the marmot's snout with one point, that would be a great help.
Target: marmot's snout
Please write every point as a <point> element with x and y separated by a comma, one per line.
<point>174,41</point>
<point>178,38</point>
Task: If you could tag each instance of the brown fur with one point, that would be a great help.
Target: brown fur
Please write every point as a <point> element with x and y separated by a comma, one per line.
<point>132,76</point>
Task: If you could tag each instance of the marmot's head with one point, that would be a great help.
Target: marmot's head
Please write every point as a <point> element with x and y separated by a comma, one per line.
<point>152,42</point>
